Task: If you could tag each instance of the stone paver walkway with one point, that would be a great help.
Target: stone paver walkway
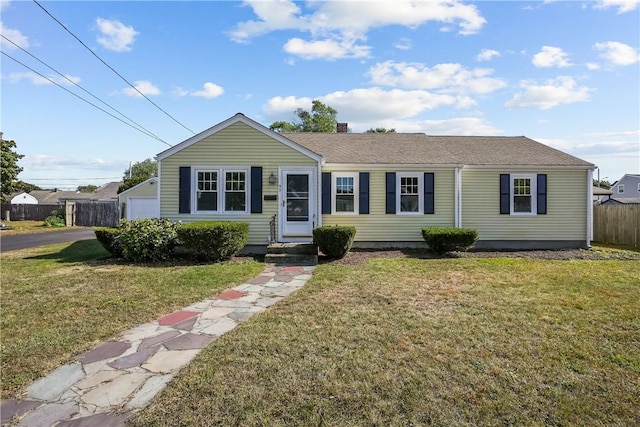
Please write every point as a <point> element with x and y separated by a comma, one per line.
<point>104,386</point>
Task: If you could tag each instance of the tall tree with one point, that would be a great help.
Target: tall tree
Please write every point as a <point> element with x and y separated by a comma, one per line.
<point>9,168</point>
<point>321,118</point>
<point>381,130</point>
<point>137,173</point>
<point>25,186</point>
<point>89,188</point>
<point>603,183</point>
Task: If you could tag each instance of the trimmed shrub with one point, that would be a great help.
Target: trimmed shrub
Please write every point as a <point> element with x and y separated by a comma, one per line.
<point>213,240</point>
<point>107,238</point>
<point>334,240</point>
<point>55,219</point>
<point>149,239</point>
<point>447,239</point>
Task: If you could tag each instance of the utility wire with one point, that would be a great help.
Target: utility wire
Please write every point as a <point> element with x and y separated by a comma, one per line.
<point>70,179</point>
<point>147,131</point>
<point>111,68</point>
<point>79,97</point>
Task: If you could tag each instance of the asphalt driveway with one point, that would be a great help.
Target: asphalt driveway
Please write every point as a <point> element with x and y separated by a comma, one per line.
<point>23,241</point>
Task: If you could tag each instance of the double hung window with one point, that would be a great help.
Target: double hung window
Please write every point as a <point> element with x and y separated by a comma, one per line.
<point>221,190</point>
<point>345,193</point>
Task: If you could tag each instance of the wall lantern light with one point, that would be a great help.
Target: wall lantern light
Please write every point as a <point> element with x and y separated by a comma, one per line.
<point>272,179</point>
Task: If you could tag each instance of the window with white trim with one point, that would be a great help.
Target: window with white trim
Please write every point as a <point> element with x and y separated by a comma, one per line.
<point>221,190</point>
<point>620,188</point>
<point>410,193</point>
<point>207,193</point>
<point>345,193</point>
<point>523,194</point>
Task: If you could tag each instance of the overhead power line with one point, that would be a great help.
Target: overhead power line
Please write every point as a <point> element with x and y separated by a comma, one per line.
<point>78,96</point>
<point>111,68</point>
<point>70,179</point>
<point>146,131</point>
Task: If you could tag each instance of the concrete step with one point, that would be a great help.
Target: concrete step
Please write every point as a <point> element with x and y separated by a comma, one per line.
<point>293,248</point>
<point>291,259</point>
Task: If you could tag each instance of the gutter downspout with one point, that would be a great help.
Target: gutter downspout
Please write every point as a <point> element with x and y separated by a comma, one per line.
<point>456,205</point>
<point>589,207</point>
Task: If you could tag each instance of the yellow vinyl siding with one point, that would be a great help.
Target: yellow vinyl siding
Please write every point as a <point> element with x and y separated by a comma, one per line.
<point>378,226</point>
<point>235,145</point>
<point>566,207</point>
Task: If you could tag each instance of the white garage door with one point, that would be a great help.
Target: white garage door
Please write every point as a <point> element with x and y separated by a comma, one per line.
<point>143,208</point>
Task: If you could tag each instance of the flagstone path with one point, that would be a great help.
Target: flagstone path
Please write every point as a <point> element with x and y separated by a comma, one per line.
<point>106,385</point>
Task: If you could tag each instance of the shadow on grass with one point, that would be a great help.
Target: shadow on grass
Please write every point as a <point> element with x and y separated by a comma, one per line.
<point>83,250</point>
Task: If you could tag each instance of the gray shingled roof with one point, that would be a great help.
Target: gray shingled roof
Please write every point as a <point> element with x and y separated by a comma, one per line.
<point>418,148</point>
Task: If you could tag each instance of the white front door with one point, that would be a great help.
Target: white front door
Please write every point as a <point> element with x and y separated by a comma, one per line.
<point>297,211</point>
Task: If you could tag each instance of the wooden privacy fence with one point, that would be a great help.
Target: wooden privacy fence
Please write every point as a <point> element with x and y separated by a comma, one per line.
<point>93,214</point>
<point>28,212</point>
<point>83,213</point>
<point>618,224</point>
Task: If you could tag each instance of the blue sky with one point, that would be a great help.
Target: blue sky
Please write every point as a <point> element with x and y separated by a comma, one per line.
<point>565,73</point>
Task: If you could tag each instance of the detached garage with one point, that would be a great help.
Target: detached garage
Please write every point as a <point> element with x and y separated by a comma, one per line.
<point>140,201</point>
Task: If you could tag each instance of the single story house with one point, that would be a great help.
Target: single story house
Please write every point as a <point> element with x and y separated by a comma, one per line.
<point>516,192</point>
<point>140,201</point>
<point>24,199</point>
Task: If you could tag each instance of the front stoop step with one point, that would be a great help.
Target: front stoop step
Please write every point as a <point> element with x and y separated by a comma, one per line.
<point>292,254</point>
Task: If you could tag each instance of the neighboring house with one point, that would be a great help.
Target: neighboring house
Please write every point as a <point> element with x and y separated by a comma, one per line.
<point>600,194</point>
<point>107,192</point>
<point>628,187</point>
<point>516,192</point>
<point>24,199</point>
<point>140,201</point>
<point>621,201</point>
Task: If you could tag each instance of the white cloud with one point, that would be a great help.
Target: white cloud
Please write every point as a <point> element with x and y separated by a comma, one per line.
<point>487,54</point>
<point>593,66</point>
<point>367,105</point>
<point>4,4</point>
<point>404,44</point>
<point>326,49</point>
<point>618,53</point>
<point>622,5</point>
<point>15,36</point>
<point>559,91</point>
<point>448,78</point>
<point>551,56</point>
<point>459,126</point>
<point>209,91</point>
<point>115,35</point>
<point>145,87</point>
<point>341,24</point>
<point>39,80</point>
<point>39,161</point>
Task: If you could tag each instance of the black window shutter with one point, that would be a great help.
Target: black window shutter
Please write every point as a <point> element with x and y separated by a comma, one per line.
<point>326,192</point>
<point>184,190</point>
<point>429,199</point>
<point>256,189</point>
<point>542,193</point>
<point>364,193</point>
<point>505,193</point>
<point>391,193</point>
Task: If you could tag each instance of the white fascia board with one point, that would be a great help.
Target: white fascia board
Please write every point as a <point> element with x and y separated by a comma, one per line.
<point>385,166</point>
<point>528,167</point>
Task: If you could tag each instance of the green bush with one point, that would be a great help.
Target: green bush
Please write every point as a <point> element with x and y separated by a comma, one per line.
<point>55,219</point>
<point>150,239</point>
<point>447,239</point>
<point>334,240</point>
<point>107,237</point>
<point>214,240</point>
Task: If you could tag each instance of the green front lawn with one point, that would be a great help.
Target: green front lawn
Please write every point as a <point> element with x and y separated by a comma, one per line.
<point>24,227</point>
<point>427,342</point>
<point>61,300</point>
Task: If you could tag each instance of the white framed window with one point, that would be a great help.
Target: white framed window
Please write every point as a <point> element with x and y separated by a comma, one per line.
<point>409,193</point>
<point>206,190</point>
<point>620,188</point>
<point>221,190</point>
<point>345,191</point>
<point>523,197</point>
